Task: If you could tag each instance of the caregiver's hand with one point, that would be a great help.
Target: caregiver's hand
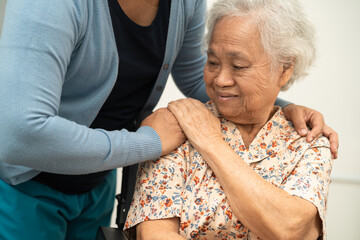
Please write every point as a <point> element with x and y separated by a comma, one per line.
<point>304,117</point>
<point>168,129</point>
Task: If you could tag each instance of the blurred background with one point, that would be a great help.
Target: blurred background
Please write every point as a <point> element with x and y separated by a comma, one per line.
<point>333,88</point>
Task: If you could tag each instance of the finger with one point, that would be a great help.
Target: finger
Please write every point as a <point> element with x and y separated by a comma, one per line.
<point>334,140</point>
<point>193,104</point>
<point>196,102</point>
<point>189,107</point>
<point>183,114</point>
<point>333,146</point>
<point>182,104</point>
<point>299,121</point>
<point>316,122</point>
<point>175,109</point>
<point>315,132</point>
<point>334,155</point>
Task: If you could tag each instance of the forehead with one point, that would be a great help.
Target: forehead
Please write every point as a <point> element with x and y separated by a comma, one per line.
<point>238,33</point>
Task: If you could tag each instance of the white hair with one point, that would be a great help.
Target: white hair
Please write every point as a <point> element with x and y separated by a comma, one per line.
<point>286,35</point>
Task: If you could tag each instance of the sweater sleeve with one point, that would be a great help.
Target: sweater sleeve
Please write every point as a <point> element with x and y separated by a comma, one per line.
<point>188,67</point>
<point>282,103</point>
<point>36,47</point>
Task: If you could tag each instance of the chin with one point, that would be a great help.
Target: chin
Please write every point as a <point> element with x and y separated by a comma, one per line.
<point>227,112</point>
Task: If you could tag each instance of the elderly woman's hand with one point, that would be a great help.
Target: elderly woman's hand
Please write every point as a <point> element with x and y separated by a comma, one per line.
<point>301,116</point>
<point>200,126</point>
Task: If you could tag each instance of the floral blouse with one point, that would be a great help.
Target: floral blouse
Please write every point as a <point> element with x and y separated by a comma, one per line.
<point>183,185</point>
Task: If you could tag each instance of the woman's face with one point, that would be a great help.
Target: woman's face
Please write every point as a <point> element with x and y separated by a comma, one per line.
<point>238,72</point>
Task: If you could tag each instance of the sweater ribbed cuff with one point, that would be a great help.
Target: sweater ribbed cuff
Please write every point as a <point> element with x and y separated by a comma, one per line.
<point>146,145</point>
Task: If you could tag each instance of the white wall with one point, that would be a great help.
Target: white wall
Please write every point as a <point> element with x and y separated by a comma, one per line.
<point>332,88</point>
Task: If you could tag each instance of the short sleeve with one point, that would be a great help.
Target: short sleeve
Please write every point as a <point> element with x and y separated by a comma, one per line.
<point>310,179</point>
<point>158,189</point>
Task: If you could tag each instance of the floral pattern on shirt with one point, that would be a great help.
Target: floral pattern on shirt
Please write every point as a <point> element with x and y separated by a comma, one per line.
<point>182,185</point>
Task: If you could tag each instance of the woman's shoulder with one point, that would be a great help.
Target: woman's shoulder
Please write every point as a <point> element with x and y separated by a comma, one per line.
<point>57,14</point>
<point>212,108</point>
<point>320,141</point>
<point>191,5</point>
<point>191,8</point>
<point>288,132</point>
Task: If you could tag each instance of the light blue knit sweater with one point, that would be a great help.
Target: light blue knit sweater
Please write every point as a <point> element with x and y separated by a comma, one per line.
<point>58,64</point>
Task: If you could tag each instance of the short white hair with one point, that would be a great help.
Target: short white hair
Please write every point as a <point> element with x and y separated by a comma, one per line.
<point>286,34</point>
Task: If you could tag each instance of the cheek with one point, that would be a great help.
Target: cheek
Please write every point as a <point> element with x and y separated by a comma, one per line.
<point>249,86</point>
<point>256,83</point>
<point>258,89</point>
<point>209,80</point>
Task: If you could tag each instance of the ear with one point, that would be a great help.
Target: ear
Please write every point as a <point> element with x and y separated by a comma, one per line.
<point>287,71</point>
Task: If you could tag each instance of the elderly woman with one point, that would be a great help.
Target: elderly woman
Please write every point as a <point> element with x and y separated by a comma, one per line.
<point>244,172</point>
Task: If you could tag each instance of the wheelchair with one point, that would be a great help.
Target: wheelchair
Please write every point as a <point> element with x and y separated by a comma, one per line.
<point>123,204</point>
<point>124,198</point>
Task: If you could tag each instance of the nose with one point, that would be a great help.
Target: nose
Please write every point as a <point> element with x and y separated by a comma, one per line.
<point>224,78</point>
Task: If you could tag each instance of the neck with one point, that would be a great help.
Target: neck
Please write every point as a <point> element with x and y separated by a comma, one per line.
<point>250,130</point>
<point>141,12</point>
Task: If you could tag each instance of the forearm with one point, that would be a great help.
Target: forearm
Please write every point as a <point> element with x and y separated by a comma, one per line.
<point>61,146</point>
<point>266,210</point>
<point>159,229</point>
<point>43,124</point>
<point>163,235</point>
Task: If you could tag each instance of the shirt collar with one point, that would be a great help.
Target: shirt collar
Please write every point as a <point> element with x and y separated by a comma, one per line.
<point>268,142</point>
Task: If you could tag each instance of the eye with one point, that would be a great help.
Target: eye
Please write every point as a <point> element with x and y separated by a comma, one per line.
<point>212,63</point>
<point>238,67</point>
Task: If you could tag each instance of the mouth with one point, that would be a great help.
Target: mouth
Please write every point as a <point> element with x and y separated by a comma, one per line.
<point>222,96</point>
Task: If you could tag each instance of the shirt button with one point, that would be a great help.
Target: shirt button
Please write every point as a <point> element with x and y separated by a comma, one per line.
<point>159,88</point>
<point>166,66</point>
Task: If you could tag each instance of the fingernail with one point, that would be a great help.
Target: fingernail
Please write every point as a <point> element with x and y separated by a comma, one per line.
<point>311,139</point>
<point>303,131</point>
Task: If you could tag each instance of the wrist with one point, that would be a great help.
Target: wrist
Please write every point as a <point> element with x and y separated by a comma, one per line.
<point>213,149</point>
<point>287,106</point>
<point>208,143</point>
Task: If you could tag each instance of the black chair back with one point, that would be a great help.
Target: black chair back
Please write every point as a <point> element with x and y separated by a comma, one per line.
<point>127,191</point>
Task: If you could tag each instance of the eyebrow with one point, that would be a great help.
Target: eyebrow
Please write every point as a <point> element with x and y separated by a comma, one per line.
<point>231,54</point>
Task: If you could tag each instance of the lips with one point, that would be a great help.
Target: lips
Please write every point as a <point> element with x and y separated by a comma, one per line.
<point>225,95</point>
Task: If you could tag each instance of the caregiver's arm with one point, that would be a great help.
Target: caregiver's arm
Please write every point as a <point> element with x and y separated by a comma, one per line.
<point>36,52</point>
